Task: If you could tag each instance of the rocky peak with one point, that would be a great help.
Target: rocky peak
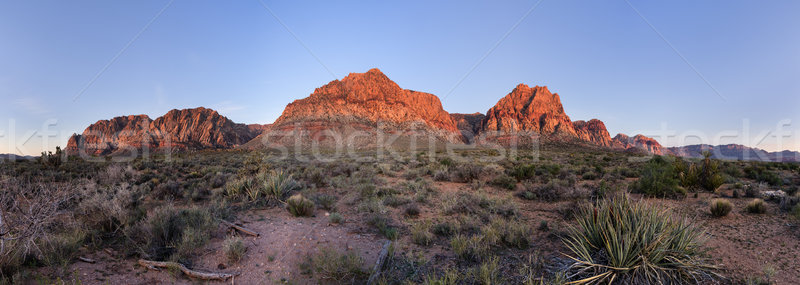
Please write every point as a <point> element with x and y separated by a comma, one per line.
<point>369,97</point>
<point>529,109</point>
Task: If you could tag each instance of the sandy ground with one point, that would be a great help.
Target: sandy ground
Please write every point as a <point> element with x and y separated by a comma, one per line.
<point>272,258</point>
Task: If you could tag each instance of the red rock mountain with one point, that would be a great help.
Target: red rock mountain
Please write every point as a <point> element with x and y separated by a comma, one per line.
<point>361,102</point>
<point>529,109</point>
<point>536,109</point>
<point>187,129</point>
<point>359,110</point>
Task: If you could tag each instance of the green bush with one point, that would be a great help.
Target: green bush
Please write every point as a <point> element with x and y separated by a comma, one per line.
<point>720,207</point>
<point>504,181</point>
<point>757,206</point>
<point>336,218</point>
<point>657,179</point>
<point>300,206</point>
<point>635,243</point>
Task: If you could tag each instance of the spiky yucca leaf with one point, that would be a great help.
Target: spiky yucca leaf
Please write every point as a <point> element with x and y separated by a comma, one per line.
<point>621,241</point>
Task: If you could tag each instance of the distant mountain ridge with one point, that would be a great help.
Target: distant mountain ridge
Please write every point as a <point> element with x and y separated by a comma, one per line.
<point>354,111</point>
<point>735,152</point>
<point>187,129</point>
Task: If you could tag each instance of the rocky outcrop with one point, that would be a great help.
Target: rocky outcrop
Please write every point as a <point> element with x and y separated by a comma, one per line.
<point>638,142</point>
<point>188,129</point>
<point>529,109</point>
<point>593,131</point>
<point>362,104</point>
<point>535,111</point>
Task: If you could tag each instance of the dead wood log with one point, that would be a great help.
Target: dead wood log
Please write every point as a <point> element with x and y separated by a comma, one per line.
<point>376,271</point>
<point>241,229</point>
<point>191,273</point>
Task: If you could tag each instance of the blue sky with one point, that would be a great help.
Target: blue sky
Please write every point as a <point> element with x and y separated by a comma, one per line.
<point>603,59</point>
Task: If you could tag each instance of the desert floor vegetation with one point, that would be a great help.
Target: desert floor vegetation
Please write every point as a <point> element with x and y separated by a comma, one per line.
<point>560,215</point>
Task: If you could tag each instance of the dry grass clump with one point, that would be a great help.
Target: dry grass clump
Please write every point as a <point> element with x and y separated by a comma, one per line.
<point>635,243</point>
<point>234,249</point>
<point>342,268</point>
<point>757,206</point>
<point>720,207</point>
<point>300,206</point>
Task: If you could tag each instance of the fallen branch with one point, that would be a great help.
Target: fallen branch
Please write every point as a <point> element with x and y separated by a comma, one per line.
<point>191,273</point>
<point>86,259</point>
<point>241,229</point>
<point>376,271</point>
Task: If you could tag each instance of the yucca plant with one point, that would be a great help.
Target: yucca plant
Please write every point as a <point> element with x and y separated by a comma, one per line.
<point>628,242</point>
<point>277,184</point>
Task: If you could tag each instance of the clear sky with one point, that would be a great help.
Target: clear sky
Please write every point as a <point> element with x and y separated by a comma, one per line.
<point>602,57</point>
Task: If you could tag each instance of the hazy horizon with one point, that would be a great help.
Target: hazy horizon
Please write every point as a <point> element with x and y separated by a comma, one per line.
<point>714,69</point>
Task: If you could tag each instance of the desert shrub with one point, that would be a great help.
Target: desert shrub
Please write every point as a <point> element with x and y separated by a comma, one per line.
<point>277,184</point>
<point>395,201</point>
<point>720,207</point>
<point>300,206</point>
<point>472,248</point>
<point>234,249</point>
<point>504,181</point>
<point>507,233</point>
<point>450,277</point>
<point>523,172</point>
<point>329,264</point>
<point>382,223</point>
<point>710,178</point>
<point>441,175</point>
<point>61,248</point>
<point>465,173</point>
<point>421,234</point>
<point>421,189</point>
<point>477,204</point>
<point>555,190</point>
<point>444,229</point>
<point>657,179</point>
<point>760,173</point>
<point>336,218</point>
<point>488,272</point>
<point>325,201</point>
<point>106,209</point>
<point>316,176</point>
<point>757,206</point>
<point>796,212</point>
<point>172,233</point>
<point>412,210</point>
<point>590,176</point>
<point>751,191</point>
<point>635,243</point>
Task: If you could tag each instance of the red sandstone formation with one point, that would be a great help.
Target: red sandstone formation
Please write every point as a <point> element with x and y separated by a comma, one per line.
<point>187,129</point>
